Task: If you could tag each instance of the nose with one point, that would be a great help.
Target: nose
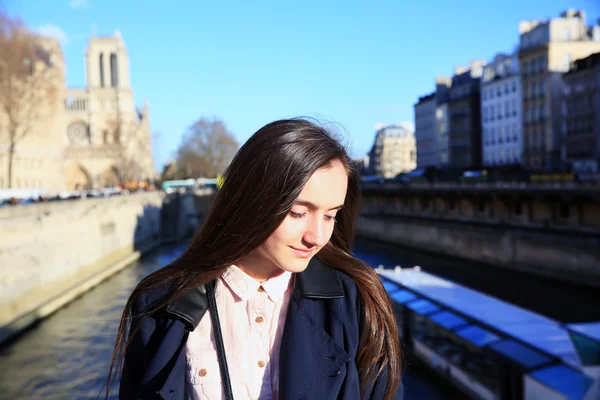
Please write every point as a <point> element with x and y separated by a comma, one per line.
<point>314,235</point>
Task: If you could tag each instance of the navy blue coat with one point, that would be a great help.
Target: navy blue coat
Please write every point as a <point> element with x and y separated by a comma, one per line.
<point>319,343</point>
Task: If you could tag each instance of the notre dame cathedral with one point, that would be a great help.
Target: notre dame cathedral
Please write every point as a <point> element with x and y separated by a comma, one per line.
<point>98,137</point>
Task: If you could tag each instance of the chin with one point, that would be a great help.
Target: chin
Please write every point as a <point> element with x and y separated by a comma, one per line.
<point>295,266</point>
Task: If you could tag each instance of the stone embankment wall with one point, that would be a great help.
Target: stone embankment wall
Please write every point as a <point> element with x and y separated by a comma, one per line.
<point>568,257</point>
<point>51,253</point>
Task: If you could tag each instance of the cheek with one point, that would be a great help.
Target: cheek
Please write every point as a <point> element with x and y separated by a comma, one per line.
<point>330,231</point>
<point>289,232</point>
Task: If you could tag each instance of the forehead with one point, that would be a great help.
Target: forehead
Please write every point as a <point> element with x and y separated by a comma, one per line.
<point>327,187</point>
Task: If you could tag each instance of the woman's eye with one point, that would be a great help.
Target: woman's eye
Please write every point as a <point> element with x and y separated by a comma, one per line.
<point>296,215</point>
<point>329,218</point>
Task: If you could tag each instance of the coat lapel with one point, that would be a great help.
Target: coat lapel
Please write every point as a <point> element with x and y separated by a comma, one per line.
<point>308,353</point>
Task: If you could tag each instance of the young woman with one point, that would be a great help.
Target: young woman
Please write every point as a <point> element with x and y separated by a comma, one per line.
<point>268,302</point>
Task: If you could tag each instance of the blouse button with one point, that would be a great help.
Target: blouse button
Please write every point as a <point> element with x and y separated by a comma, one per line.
<point>259,320</point>
<point>202,372</point>
<point>261,364</point>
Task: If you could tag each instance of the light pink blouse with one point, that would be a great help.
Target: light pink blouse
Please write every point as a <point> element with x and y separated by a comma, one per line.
<point>252,317</point>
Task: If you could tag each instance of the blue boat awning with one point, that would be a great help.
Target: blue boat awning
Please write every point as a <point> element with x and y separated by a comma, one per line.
<point>565,380</point>
<point>390,287</point>
<point>422,306</point>
<point>402,296</point>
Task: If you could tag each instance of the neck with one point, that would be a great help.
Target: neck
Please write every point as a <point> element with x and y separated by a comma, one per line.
<point>258,267</point>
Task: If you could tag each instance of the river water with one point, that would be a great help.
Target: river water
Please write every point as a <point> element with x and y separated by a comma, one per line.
<point>66,355</point>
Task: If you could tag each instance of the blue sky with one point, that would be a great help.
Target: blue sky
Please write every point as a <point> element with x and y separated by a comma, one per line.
<point>251,62</point>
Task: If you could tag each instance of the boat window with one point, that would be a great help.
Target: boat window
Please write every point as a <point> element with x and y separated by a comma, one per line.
<point>476,335</point>
<point>470,359</point>
<point>448,319</point>
<point>389,286</point>
<point>402,296</point>
<point>422,306</point>
<point>522,355</point>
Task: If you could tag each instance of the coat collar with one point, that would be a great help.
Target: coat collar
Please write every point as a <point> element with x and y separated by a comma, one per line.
<point>318,281</point>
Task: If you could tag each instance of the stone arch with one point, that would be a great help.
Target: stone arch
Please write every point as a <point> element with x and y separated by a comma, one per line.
<point>109,177</point>
<point>78,178</point>
<point>78,133</point>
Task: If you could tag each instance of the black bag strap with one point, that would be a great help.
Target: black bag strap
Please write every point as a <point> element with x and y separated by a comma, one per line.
<point>214,317</point>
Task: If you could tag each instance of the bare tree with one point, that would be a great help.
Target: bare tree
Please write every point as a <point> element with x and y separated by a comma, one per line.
<point>206,150</point>
<point>28,84</point>
<point>129,148</point>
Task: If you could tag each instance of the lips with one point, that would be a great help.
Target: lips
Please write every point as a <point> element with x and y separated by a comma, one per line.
<point>301,252</point>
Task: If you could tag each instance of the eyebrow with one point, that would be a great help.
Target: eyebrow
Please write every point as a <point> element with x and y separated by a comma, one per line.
<point>313,206</point>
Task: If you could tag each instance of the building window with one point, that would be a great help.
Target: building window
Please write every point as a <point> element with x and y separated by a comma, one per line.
<point>514,86</point>
<point>101,60</point>
<point>542,88</point>
<point>542,111</point>
<point>566,62</point>
<point>506,109</point>
<point>114,71</point>
<point>566,33</point>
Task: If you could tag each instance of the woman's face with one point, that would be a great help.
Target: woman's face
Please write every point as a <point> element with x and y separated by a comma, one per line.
<point>309,225</point>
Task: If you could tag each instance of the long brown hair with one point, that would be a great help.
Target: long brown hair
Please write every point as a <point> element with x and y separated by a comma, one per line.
<point>260,186</point>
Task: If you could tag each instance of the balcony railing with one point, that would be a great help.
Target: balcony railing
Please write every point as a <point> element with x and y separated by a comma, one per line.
<point>76,104</point>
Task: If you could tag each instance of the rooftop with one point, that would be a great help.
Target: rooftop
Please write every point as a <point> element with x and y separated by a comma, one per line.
<point>583,64</point>
<point>427,97</point>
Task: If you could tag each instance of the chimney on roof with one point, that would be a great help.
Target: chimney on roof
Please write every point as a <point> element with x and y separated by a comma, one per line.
<point>526,26</point>
<point>572,13</point>
<point>460,70</point>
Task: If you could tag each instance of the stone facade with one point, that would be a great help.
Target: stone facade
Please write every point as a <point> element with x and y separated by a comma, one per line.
<point>502,135</point>
<point>464,110</point>
<point>425,131</point>
<point>431,126</point>
<point>393,152</point>
<point>96,138</point>
<point>581,115</point>
<point>547,49</point>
